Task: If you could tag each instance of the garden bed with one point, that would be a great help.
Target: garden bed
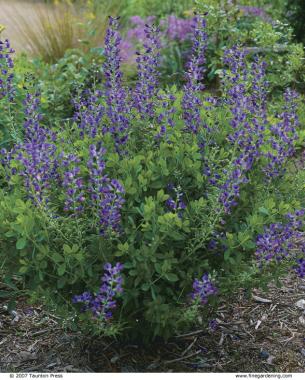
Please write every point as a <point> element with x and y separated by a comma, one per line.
<point>135,209</point>
<point>253,335</point>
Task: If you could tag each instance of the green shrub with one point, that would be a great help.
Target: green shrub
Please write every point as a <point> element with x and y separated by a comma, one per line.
<point>171,184</point>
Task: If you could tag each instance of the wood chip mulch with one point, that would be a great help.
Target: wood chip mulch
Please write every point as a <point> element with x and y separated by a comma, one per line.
<point>264,333</point>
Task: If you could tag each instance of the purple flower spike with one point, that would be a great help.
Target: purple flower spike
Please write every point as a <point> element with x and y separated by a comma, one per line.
<point>111,286</point>
<point>148,66</point>
<point>6,71</point>
<point>203,288</point>
<point>283,241</point>
<point>284,135</point>
<point>176,204</point>
<point>116,96</point>
<point>37,154</point>
<point>89,113</point>
<point>106,194</point>
<point>248,122</point>
<point>191,102</point>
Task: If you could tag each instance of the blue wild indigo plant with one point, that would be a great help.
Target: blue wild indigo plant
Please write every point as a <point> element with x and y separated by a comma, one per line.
<point>156,179</point>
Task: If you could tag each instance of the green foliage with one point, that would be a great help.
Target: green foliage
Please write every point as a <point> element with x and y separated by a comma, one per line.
<point>228,26</point>
<point>58,84</point>
<point>58,256</point>
<point>296,16</point>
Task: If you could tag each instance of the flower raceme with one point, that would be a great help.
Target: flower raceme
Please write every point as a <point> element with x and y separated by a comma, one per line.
<point>283,136</point>
<point>191,102</point>
<point>106,194</point>
<point>248,107</point>
<point>148,62</point>
<point>102,304</point>
<point>117,109</point>
<point>89,113</point>
<point>203,289</point>
<point>283,241</point>
<point>37,154</point>
<point>74,185</point>
<point>6,70</point>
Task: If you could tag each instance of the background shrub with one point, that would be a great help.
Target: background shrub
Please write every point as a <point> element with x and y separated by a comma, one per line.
<point>296,17</point>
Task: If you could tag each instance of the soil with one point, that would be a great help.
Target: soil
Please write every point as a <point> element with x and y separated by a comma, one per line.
<point>263,333</point>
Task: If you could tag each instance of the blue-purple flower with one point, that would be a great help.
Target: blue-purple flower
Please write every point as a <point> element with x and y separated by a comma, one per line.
<point>117,109</point>
<point>283,136</point>
<point>176,203</point>
<point>89,113</point>
<point>106,194</point>
<point>146,88</point>
<point>283,241</point>
<point>75,188</point>
<point>6,70</point>
<point>102,304</point>
<point>37,154</point>
<point>248,122</point>
<point>203,289</point>
<point>191,101</point>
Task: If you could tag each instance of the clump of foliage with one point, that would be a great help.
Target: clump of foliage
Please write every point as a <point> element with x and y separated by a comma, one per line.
<point>296,16</point>
<point>262,32</point>
<point>167,190</point>
<point>58,84</point>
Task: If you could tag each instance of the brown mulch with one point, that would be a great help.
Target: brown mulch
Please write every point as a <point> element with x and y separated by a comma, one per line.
<point>262,334</point>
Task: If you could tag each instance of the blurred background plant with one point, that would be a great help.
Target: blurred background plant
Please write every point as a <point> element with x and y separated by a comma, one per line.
<point>56,29</point>
<point>42,30</point>
<point>296,16</point>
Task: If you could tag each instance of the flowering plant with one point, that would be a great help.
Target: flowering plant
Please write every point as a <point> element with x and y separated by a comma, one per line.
<point>167,182</point>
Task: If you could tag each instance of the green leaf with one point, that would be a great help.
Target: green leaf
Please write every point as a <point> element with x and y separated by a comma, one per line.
<point>57,257</point>
<point>263,211</point>
<point>145,287</point>
<point>61,270</point>
<point>158,267</point>
<point>61,282</point>
<point>67,249</point>
<point>21,243</point>
<point>249,245</point>
<point>23,270</point>
<point>10,233</point>
<point>226,255</point>
<point>171,277</point>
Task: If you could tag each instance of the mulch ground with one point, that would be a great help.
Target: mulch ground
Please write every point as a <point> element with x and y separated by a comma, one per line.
<point>265,333</point>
